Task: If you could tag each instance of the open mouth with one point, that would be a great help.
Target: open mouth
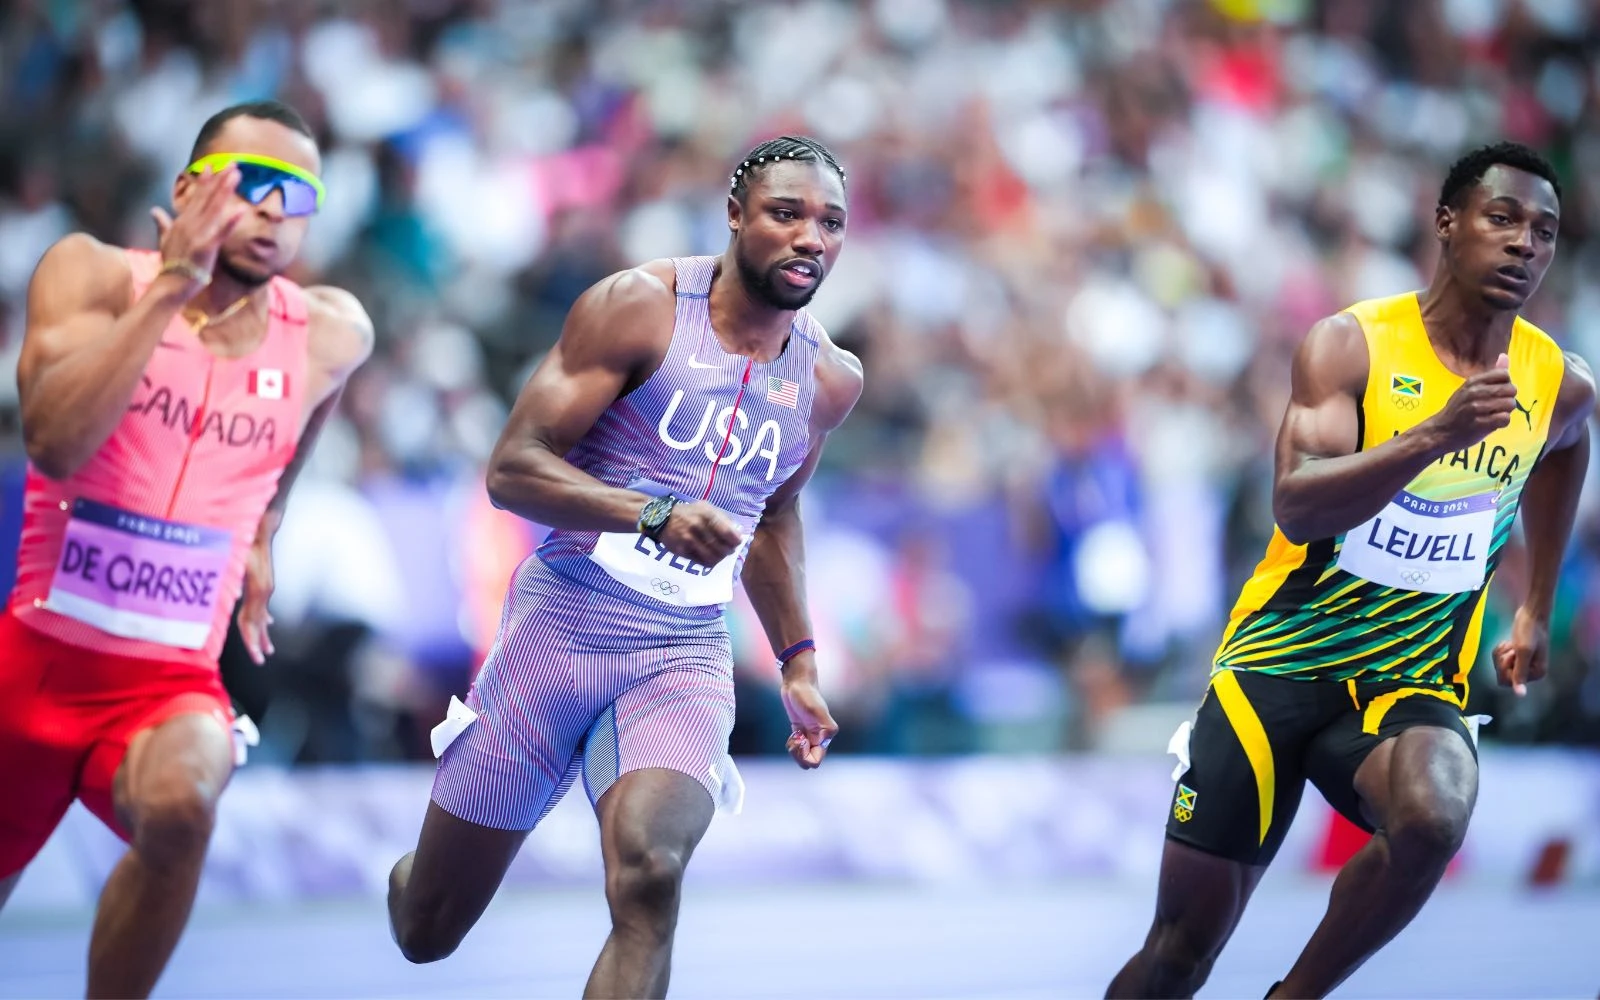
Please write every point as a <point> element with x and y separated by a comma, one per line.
<point>801,273</point>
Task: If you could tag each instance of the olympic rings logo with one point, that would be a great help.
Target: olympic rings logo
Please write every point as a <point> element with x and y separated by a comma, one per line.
<point>1415,576</point>
<point>1405,402</point>
<point>666,588</point>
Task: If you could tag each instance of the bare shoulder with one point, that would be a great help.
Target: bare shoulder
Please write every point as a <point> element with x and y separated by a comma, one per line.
<point>341,333</point>
<point>628,314</point>
<point>840,379</point>
<point>662,270</point>
<point>81,251</point>
<point>648,288</point>
<point>1334,339</point>
<point>79,272</point>
<point>1577,396</point>
<point>1333,356</point>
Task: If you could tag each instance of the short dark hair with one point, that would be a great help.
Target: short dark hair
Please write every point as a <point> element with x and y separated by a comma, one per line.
<point>784,147</point>
<point>272,111</point>
<point>1466,172</point>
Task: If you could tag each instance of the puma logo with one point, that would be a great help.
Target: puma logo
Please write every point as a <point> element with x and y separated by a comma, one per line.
<point>1526,411</point>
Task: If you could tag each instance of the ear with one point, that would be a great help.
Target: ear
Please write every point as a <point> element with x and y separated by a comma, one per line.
<point>1444,222</point>
<point>735,213</point>
<point>182,188</point>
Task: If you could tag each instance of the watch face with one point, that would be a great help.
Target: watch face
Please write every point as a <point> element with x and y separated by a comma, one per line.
<point>655,512</point>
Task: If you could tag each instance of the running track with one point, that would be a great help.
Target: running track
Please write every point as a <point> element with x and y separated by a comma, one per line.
<point>842,940</point>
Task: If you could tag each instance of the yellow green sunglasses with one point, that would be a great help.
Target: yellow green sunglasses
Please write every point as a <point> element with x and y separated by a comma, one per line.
<point>259,176</point>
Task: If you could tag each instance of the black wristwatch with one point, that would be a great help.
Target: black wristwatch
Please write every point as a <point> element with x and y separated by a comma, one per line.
<point>654,516</point>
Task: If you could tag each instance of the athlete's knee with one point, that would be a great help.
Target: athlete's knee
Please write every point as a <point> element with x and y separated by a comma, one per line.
<point>1179,958</point>
<point>419,931</point>
<point>165,791</point>
<point>420,939</point>
<point>644,885</point>
<point>1426,832</point>
<point>173,820</point>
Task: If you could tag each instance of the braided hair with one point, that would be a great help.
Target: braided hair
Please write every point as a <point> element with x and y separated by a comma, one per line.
<point>784,147</point>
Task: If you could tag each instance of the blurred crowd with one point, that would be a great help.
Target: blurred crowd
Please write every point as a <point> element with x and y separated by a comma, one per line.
<point>1085,238</point>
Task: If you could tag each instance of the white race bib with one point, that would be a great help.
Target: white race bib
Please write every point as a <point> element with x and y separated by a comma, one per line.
<point>140,577</point>
<point>646,566</point>
<point>1432,546</point>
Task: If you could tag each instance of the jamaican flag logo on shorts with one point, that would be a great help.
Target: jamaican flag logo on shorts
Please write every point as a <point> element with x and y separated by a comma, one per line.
<point>1184,807</point>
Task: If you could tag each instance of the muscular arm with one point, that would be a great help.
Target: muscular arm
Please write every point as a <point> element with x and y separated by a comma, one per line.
<point>1322,484</point>
<point>1550,497</point>
<point>774,571</point>
<point>341,341</point>
<point>618,329</point>
<point>85,347</point>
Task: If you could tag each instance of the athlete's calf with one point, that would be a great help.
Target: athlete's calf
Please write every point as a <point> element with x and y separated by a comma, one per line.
<point>166,795</point>
<point>650,822</point>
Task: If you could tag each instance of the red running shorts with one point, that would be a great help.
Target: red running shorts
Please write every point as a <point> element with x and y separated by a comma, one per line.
<point>67,715</point>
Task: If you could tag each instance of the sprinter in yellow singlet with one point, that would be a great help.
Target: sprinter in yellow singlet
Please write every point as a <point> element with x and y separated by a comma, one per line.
<point>1417,426</point>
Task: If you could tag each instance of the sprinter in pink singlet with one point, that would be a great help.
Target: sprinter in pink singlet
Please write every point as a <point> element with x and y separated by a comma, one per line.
<point>665,440</point>
<point>168,400</point>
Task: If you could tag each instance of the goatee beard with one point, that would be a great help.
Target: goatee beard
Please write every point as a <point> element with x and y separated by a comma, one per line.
<point>765,290</point>
<point>248,279</point>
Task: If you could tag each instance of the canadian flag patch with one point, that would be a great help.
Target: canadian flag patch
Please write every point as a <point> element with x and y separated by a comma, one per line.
<point>269,383</point>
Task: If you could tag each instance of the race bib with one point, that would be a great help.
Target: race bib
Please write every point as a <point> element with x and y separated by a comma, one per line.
<point>1432,546</point>
<point>646,566</point>
<point>140,577</point>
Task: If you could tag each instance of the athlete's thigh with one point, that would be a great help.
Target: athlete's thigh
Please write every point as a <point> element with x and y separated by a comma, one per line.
<point>678,717</point>
<point>497,778</point>
<point>1409,742</point>
<point>1241,789</point>
<point>41,745</point>
<point>517,756</point>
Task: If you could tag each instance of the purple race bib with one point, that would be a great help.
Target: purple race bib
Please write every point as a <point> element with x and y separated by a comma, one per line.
<point>140,577</point>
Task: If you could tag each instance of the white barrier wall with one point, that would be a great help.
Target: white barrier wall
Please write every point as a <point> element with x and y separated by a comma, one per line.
<point>290,835</point>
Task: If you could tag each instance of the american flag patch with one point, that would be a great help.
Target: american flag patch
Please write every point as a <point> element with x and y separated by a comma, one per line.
<point>782,392</point>
<point>269,383</point>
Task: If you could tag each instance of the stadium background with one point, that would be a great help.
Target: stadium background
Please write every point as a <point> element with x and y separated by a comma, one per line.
<point>1085,239</point>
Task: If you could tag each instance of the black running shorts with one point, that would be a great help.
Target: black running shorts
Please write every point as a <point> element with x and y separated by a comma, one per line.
<point>1258,738</point>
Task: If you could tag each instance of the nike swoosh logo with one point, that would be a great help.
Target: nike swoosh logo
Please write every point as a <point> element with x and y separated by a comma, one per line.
<point>697,363</point>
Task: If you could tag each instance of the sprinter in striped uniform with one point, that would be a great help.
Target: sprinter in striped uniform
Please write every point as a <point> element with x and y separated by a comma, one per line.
<point>1417,426</point>
<point>665,439</point>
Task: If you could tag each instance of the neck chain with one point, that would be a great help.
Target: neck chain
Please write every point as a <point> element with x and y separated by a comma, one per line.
<point>204,321</point>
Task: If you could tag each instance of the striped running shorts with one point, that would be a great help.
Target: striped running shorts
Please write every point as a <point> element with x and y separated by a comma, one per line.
<point>583,682</point>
